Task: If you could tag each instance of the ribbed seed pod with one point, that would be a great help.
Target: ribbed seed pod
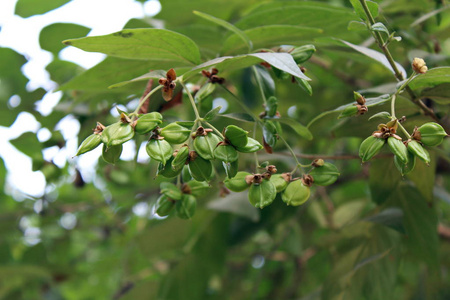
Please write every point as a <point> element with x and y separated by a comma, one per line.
<point>398,148</point>
<point>296,193</point>
<point>263,194</point>
<point>370,147</point>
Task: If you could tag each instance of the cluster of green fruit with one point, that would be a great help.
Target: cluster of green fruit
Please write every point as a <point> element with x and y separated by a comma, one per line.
<point>405,152</point>
<point>264,187</point>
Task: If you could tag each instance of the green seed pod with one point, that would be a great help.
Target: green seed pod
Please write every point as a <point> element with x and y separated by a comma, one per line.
<point>419,151</point>
<point>262,194</point>
<point>170,190</point>
<point>270,133</point>
<point>175,133</point>
<point>231,168</point>
<point>198,188</point>
<point>303,53</point>
<point>148,122</point>
<point>226,153</point>
<point>204,145</point>
<point>238,182</point>
<point>296,193</point>
<point>325,175</point>
<point>159,150</point>
<point>431,134</point>
<point>117,134</point>
<point>186,207</point>
<point>112,154</point>
<point>201,169</point>
<point>167,170</point>
<point>349,111</point>
<point>370,147</point>
<point>279,181</point>
<point>271,107</point>
<point>205,91</point>
<point>399,149</point>
<point>252,146</point>
<point>90,143</point>
<point>164,206</point>
<point>180,159</point>
<point>405,168</point>
<point>236,136</point>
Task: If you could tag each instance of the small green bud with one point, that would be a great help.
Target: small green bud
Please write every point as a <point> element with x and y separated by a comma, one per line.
<point>159,150</point>
<point>303,53</point>
<point>186,207</point>
<point>263,194</point>
<point>430,134</point>
<point>175,133</point>
<point>370,147</point>
<point>90,143</point>
<point>148,122</point>
<point>236,136</point>
<point>325,175</point>
<point>398,148</point>
<point>238,182</point>
<point>296,193</point>
<point>416,148</point>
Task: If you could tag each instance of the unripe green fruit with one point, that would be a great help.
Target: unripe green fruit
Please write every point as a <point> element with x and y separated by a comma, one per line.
<point>90,143</point>
<point>431,134</point>
<point>164,206</point>
<point>181,157</point>
<point>349,111</point>
<point>251,146</point>
<point>238,182</point>
<point>226,153</point>
<point>303,53</point>
<point>370,147</point>
<point>405,168</point>
<point>325,175</point>
<point>167,170</point>
<point>148,122</point>
<point>159,150</point>
<point>170,190</point>
<point>236,136</point>
<point>205,145</point>
<point>186,206</point>
<point>296,193</point>
<point>231,168</point>
<point>175,133</point>
<point>419,151</point>
<point>399,149</point>
<point>279,182</point>
<point>263,194</point>
<point>117,134</point>
<point>112,154</point>
<point>198,188</point>
<point>201,169</point>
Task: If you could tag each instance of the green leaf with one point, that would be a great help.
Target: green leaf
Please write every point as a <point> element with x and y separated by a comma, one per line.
<point>370,102</point>
<point>432,78</point>
<point>384,179</point>
<point>440,93</point>
<point>62,71</point>
<point>373,8</point>
<point>378,56</point>
<point>271,36</point>
<point>51,36</point>
<point>300,129</point>
<point>228,26</point>
<point>381,115</point>
<point>28,8</point>
<point>380,27</point>
<point>145,44</point>
<point>157,74</point>
<point>282,61</point>
<point>212,114</point>
<point>391,217</point>
<point>29,145</point>
<point>424,177</point>
<point>238,117</point>
<point>236,204</point>
<point>356,26</point>
<point>420,222</point>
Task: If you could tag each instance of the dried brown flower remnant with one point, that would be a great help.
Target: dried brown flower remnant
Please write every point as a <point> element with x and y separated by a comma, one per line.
<point>168,84</point>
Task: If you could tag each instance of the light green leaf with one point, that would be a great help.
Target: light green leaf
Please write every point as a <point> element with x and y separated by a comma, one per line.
<point>356,26</point>
<point>300,129</point>
<point>373,8</point>
<point>282,61</point>
<point>228,26</point>
<point>157,74</point>
<point>145,44</point>
<point>51,36</point>
<point>28,8</point>
<point>378,56</point>
<point>432,78</point>
<point>270,36</point>
<point>380,27</point>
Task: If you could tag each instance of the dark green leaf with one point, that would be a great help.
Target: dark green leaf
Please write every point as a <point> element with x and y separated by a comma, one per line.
<point>391,217</point>
<point>432,78</point>
<point>384,179</point>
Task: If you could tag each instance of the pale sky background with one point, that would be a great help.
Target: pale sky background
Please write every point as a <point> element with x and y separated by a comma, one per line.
<point>22,35</point>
